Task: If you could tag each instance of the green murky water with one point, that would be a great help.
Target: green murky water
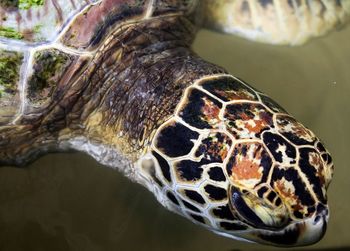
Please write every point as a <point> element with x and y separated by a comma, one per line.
<point>69,202</point>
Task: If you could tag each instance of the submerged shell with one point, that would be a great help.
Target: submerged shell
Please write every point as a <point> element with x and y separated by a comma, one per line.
<point>10,65</point>
<point>37,21</point>
<point>47,44</point>
<point>43,20</point>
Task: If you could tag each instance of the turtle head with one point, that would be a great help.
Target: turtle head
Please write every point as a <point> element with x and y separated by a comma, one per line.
<point>234,161</point>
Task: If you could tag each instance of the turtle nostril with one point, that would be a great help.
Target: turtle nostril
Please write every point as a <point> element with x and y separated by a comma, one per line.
<point>321,213</point>
<point>322,210</point>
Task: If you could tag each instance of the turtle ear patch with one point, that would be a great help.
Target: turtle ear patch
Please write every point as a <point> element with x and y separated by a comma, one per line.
<point>175,139</point>
<point>229,89</point>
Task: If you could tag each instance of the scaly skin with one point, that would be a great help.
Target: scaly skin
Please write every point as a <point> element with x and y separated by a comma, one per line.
<point>209,146</point>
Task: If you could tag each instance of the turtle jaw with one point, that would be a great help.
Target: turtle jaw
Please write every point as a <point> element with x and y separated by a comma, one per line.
<point>314,230</point>
<point>301,233</point>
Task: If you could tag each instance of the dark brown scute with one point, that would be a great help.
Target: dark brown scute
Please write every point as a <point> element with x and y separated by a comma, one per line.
<point>231,226</point>
<point>273,141</point>
<point>190,206</point>
<point>311,165</point>
<point>223,212</point>
<point>176,140</point>
<point>200,110</point>
<point>229,89</point>
<point>195,196</point>
<point>215,193</point>
<point>164,166</point>
<point>188,170</point>
<point>172,198</point>
<point>216,173</point>
<point>48,69</point>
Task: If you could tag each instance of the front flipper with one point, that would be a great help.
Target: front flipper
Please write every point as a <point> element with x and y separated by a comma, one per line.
<point>276,22</point>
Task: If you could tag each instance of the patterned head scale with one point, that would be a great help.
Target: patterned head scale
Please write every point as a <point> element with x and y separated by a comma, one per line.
<point>234,161</point>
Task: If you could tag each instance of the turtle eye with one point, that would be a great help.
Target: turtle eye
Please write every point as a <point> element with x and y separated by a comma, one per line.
<point>256,211</point>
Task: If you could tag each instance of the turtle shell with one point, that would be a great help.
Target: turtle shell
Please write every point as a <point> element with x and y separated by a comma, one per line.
<point>46,44</point>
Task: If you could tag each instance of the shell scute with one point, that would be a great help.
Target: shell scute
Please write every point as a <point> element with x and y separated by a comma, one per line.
<point>37,20</point>
<point>229,89</point>
<point>95,23</point>
<point>270,103</point>
<point>289,185</point>
<point>188,171</point>
<point>200,110</point>
<point>294,131</point>
<point>48,69</point>
<point>214,148</point>
<point>248,120</point>
<point>10,64</point>
<point>249,164</point>
<point>312,166</point>
<point>282,151</point>
<point>175,140</point>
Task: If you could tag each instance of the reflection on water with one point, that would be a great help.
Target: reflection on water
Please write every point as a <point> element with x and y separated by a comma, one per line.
<point>69,202</point>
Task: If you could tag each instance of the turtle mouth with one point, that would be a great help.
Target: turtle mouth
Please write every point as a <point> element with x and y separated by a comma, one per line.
<point>300,233</point>
<point>297,234</point>
<point>273,226</point>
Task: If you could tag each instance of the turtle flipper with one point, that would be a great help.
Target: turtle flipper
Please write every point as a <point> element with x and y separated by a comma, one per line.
<point>276,22</point>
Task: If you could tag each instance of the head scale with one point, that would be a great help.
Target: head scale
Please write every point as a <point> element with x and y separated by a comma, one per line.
<point>234,161</point>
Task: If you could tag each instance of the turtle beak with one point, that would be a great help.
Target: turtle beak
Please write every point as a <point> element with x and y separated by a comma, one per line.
<point>314,228</point>
<point>301,233</point>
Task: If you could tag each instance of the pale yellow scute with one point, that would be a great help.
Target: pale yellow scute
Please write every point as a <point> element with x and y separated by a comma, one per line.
<point>290,22</point>
<point>37,22</point>
<point>10,98</point>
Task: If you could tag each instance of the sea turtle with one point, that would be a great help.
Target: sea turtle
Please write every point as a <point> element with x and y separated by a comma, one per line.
<point>117,79</point>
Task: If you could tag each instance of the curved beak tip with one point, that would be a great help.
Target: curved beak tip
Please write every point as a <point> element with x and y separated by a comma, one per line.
<point>314,229</point>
